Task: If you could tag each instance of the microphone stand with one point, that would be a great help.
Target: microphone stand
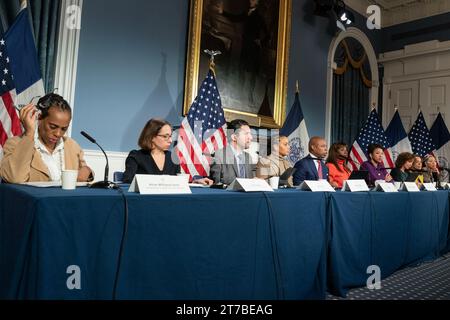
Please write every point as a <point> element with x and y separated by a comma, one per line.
<point>105,184</point>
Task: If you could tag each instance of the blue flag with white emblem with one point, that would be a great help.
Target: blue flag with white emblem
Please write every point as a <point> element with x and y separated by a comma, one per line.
<point>295,129</point>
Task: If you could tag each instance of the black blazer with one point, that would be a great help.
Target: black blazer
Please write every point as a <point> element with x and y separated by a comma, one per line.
<point>141,162</point>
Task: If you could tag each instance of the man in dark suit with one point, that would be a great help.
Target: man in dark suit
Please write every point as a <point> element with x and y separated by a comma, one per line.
<point>312,167</point>
<point>232,162</point>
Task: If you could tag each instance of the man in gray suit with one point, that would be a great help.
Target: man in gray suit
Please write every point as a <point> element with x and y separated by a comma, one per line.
<point>232,162</point>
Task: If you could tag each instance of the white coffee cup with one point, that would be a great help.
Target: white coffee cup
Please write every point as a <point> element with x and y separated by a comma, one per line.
<point>274,181</point>
<point>184,175</point>
<point>69,179</point>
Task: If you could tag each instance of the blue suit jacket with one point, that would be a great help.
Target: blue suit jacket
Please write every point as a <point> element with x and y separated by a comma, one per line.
<point>306,170</point>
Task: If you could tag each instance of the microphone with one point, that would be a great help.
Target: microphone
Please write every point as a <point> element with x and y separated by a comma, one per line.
<point>105,184</point>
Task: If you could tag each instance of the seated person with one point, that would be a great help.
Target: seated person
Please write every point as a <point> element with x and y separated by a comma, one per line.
<point>434,173</point>
<point>42,154</point>
<point>312,166</point>
<point>154,156</point>
<point>403,164</point>
<point>374,165</point>
<point>232,162</point>
<point>275,164</point>
<point>336,164</point>
<point>417,167</point>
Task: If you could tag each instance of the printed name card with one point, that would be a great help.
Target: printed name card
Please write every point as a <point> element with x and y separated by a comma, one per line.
<point>386,187</point>
<point>159,184</point>
<point>249,185</point>
<point>355,185</point>
<point>410,187</point>
<point>429,186</point>
<point>316,186</point>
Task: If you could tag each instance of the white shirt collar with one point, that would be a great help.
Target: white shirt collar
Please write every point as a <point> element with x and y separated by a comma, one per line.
<point>55,161</point>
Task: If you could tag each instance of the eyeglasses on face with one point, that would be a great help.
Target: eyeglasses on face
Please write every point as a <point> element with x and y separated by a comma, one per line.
<point>165,136</point>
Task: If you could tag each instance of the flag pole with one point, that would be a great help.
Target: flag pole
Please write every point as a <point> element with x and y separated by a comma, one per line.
<point>297,90</point>
<point>212,54</point>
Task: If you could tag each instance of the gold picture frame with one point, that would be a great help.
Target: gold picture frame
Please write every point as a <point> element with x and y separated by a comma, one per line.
<point>225,25</point>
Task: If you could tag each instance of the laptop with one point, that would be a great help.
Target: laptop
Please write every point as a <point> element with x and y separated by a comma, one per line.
<point>359,175</point>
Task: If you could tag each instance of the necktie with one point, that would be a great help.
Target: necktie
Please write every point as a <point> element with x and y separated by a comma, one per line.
<point>241,166</point>
<point>319,169</point>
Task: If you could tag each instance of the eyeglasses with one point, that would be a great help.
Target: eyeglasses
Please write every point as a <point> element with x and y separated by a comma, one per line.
<point>20,106</point>
<point>165,136</point>
<point>40,104</point>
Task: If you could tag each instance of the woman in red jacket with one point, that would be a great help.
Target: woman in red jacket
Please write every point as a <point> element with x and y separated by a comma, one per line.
<point>336,163</point>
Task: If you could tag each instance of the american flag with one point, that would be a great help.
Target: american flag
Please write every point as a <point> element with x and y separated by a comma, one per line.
<point>9,120</point>
<point>20,75</point>
<point>202,131</point>
<point>419,135</point>
<point>371,132</point>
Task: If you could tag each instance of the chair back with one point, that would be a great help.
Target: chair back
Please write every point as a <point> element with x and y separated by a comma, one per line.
<point>118,176</point>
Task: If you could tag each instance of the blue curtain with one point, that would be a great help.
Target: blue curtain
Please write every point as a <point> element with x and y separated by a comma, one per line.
<point>350,107</point>
<point>45,22</point>
<point>351,84</point>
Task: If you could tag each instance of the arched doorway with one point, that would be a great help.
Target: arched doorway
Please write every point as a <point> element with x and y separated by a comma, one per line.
<point>352,85</point>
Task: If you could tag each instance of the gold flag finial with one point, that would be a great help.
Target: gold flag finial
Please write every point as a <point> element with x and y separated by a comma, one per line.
<point>297,90</point>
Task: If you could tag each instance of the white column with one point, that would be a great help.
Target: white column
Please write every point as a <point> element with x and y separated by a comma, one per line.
<point>67,51</point>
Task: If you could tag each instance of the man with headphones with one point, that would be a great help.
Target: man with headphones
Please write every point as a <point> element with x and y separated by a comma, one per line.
<point>232,162</point>
<point>42,152</point>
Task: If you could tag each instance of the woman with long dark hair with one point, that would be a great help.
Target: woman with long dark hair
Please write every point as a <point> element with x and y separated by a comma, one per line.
<point>336,163</point>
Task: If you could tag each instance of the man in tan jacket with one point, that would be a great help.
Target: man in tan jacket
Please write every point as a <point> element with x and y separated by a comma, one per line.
<point>42,154</point>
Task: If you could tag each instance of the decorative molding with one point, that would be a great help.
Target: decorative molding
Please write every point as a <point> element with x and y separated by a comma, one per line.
<point>414,77</point>
<point>394,12</point>
<point>416,50</point>
<point>96,161</point>
<point>67,56</point>
<point>357,34</point>
<point>428,59</point>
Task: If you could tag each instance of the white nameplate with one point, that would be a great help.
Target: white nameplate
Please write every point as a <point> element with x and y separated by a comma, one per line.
<point>429,186</point>
<point>410,187</point>
<point>249,185</point>
<point>316,186</point>
<point>386,187</point>
<point>355,185</point>
<point>159,184</point>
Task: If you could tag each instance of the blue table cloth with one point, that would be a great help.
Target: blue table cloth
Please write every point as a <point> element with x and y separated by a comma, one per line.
<point>389,230</point>
<point>212,244</point>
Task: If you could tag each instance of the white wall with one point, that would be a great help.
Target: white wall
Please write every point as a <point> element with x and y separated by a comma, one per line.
<point>96,161</point>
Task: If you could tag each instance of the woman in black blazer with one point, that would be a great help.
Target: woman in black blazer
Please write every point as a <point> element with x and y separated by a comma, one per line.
<point>154,156</point>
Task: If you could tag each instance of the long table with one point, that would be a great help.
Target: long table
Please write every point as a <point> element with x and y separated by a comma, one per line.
<point>212,244</point>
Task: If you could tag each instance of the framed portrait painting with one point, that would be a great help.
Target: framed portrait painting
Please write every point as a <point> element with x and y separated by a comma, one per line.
<point>251,71</point>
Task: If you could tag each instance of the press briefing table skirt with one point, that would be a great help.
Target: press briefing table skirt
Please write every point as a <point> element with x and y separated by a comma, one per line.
<point>388,231</point>
<point>212,244</point>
